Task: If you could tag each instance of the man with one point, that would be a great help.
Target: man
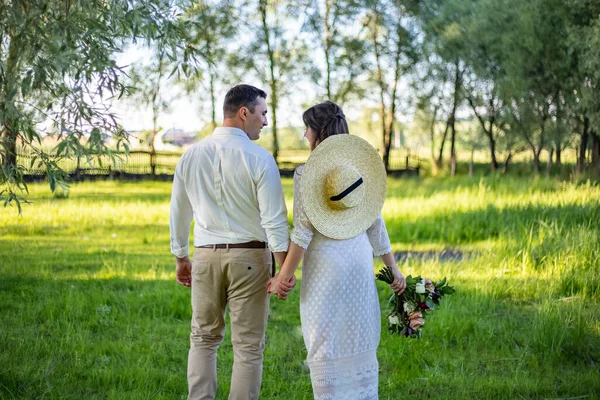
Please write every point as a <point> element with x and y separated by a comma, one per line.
<point>232,189</point>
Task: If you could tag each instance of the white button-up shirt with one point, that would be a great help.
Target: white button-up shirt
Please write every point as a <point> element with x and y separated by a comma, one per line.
<point>231,187</point>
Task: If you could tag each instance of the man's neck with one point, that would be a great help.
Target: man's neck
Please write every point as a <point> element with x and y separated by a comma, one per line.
<point>232,123</point>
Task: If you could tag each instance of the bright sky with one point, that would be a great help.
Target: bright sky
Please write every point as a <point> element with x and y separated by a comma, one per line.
<point>189,114</point>
<point>185,113</point>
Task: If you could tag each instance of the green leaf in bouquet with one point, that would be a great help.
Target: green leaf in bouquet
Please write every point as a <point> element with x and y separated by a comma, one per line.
<point>440,284</point>
<point>429,302</point>
<point>393,298</point>
<point>448,290</point>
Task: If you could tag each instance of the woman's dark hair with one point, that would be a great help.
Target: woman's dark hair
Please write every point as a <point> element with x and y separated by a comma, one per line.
<point>241,96</point>
<point>325,119</point>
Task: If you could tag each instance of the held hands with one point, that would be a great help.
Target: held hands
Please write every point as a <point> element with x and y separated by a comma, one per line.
<point>281,286</point>
<point>184,271</point>
<point>398,285</point>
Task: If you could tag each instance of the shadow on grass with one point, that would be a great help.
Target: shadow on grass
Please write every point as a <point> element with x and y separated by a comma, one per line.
<point>121,338</point>
<point>480,346</point>
<point>124,338</point>
<point>446,255</point>
<point>490,223</point>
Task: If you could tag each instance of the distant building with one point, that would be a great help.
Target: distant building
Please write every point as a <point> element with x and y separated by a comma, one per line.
<point>177,137</point>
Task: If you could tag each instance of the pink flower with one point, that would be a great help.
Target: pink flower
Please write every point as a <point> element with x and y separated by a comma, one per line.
<point>429,285</point>
<point>416,320</point>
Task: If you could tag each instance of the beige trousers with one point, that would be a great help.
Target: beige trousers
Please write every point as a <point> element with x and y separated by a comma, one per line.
<point>235,278</point>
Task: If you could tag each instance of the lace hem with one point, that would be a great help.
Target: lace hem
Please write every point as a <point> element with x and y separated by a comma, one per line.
<point>349,378</point>
<point>301,238</point>
<point>367,393</point>
<point>382,250</point>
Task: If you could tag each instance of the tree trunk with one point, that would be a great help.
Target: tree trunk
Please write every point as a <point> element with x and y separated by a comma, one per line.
<point>538,149</point>
<point>152,148</point>
<point>274,103</point>
<point>457,84</point>
<point>328,45</point>
<point>536,160</point>
<point>489,132</point>
<point>471,162</point>
<point>506,162</point>
<point>595,152</point>
<point>494,163</point>
<point>432,133</point>
<point>440,159</point>
<point>583,145</point>
<point>272,80</point>
<point>213,100</point>
<point>558,156</point>
<point>385,133</point>
<point>453,150</point>
<point>155,112</point>
<point>9,141</point>
<point>9,134</point>
<point>549,162</point>
<point>394,93</point>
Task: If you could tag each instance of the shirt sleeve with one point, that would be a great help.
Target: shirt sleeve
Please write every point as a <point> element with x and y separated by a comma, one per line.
<point>181,215</point>
<point>303,230</point>
<point>379,238</point>
<point>271,203</point>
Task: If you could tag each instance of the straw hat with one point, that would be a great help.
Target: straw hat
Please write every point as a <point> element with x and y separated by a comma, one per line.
<point>343,186</point>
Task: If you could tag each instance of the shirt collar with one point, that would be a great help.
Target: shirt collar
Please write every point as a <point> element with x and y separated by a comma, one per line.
<point>230,131</point>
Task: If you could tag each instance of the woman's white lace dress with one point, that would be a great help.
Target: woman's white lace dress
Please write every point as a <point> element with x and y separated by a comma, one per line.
<point>339,308</point>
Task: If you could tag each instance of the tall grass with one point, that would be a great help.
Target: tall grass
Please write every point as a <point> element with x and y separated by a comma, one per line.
<point>90,308</point>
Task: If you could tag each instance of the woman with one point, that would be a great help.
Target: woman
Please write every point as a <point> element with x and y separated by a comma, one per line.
<point>338,196</point>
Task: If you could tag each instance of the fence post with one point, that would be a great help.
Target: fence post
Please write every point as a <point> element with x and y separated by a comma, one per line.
<point>77,169</point>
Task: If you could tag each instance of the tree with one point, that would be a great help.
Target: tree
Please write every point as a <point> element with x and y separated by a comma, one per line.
<point>443,23</point>
<point>210,29</point>
<point>536,70</point>
<point>148,82</point>
<point>58,67</point>
<point>335,26</point>
<point>277,56</point>
<point>584,42</point>
<point>392,47</point>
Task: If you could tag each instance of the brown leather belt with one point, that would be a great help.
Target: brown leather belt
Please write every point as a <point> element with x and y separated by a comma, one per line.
<point>255,244</point>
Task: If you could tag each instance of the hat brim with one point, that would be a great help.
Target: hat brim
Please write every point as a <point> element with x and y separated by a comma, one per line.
<point>335,151</point>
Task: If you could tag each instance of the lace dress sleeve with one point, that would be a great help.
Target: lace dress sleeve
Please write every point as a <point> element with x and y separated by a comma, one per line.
<point>303,230</point>
<point>379,238</point>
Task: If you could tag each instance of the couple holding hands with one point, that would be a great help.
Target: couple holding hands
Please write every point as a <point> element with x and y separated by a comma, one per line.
<point>230,187</point>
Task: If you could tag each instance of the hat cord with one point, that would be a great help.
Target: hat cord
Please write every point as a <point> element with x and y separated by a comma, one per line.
<point>347,191</point>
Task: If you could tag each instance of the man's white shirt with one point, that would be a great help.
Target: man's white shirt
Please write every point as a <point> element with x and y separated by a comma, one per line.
<point>231,187</point>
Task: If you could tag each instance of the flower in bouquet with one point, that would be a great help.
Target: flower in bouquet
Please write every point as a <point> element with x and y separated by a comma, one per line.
<point>416,319</point>
<point>409,309</point>
<point>429,286</point>
<point>420,287</point>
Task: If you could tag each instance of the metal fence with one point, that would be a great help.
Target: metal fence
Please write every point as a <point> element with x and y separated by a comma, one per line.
<point>138,163</point>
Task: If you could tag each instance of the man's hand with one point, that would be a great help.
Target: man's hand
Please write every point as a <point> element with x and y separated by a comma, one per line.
<point>184,271</point>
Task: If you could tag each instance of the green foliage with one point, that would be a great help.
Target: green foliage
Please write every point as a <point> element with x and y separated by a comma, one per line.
<point>57,68</point>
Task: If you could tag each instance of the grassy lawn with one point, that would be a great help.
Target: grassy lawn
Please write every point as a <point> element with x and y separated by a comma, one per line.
<point>89,307</point>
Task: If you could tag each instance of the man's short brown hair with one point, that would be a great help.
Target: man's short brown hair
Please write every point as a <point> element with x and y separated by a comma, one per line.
<point>241,96</point>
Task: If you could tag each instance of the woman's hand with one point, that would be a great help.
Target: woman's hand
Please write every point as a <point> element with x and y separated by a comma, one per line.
<point>281,286</point>
<point>398,285</point>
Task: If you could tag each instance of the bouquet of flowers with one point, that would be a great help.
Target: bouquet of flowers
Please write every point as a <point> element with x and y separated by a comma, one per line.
<point>408,310</point>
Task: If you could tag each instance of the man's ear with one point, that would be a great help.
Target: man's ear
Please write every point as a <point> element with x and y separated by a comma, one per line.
<point>243,113</point>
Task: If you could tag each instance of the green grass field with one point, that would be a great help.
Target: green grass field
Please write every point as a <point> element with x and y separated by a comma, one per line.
<point>89,307</point>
